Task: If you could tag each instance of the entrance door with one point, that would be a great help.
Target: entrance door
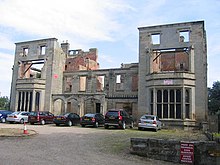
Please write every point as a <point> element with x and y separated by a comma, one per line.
<point>98,106</point>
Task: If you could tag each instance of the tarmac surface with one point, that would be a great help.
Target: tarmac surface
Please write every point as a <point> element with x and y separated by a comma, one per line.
<point>63,145</point>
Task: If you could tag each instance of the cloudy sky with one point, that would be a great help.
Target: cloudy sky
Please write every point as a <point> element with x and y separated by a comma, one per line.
<point>109,25</point>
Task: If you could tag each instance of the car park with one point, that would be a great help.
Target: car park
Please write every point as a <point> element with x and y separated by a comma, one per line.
<point>93,119</point>
<point>67,119</point>
<point>41,117</point>
<point>118,118</point>
<point>18,117</point>
<point>149,121</point>
<point>4,114</point>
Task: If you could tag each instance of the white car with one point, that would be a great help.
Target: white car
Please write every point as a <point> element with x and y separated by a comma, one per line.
<point>18,117</point>
<point>149,121</point>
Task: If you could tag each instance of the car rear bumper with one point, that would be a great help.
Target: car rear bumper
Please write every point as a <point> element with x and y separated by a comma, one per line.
<point>113,124</point>
<point>143,125</point>
<point>60,121</point>
<point>87,122</point>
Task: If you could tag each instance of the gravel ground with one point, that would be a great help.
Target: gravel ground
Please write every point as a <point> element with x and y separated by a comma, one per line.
<point>75,145</point>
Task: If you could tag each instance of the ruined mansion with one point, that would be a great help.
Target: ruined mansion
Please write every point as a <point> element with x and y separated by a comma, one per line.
<point>169,81</point>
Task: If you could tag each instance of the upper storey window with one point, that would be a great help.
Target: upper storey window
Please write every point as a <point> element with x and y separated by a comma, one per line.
<point>25,51</point>
<point>155,39</point>
<point>42,50</point>
<point>184,36</point>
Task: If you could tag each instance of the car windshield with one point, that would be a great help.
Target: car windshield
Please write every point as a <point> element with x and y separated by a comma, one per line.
<point>89,115</point>
<point>148,117</point>
<point>112,113</point>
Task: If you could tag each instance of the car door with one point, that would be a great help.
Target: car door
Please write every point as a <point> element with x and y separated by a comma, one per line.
<point>159,122</point>
<point>50,117</point>
<point>24,115</point>
<point>76,118</point>
<point>126,117</point>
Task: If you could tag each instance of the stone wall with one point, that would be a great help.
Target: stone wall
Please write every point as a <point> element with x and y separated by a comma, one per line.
<point>169,150</point>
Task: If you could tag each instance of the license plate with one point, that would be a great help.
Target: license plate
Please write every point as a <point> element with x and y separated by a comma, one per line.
<point>86,119</point>
<point>112,117</point>
<point>58,118</point>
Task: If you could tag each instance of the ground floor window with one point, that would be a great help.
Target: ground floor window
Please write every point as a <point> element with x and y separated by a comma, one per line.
<point>168,103</point>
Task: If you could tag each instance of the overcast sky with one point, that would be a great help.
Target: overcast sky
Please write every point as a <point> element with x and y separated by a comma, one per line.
<point>108,25</point>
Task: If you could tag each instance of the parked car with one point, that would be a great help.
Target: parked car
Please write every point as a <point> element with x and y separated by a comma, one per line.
<point>67,119</point>
<point>18,117</point>
<point>4,114</point>
<point>93,119</point>
<point>41,117</point>
<point>149,121</point>
<point>118,118</point>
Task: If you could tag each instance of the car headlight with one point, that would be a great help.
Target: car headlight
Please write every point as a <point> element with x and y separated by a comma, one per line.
<point>0,114</point>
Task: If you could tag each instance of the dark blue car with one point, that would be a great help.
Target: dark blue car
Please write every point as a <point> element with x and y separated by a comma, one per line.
<point>4,114</point>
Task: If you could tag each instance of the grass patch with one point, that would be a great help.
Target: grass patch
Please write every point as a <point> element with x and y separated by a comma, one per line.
<point>10,131</point>
<point>118,141</point>
<point>216,135</point>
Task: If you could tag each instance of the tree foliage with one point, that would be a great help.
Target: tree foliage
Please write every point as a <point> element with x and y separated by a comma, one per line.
<point>214,98</point>
<point>4,102</point>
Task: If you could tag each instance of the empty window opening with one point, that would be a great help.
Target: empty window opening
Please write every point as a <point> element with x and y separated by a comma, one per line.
<point>73,52</point>
<point>82,83</point>
<point>68,84</point>
<point>155,38</point>
<point>37,101</point>
<point>25,51</point>
<point>184,36</point>
<point>43,50</point>
<point>118,79</point>
<point>170,60</point>
<point>100,83</point>
<point>31,69</point>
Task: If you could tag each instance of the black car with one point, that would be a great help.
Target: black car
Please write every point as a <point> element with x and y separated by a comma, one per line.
<point>68,119</point>
<point>95,120</point>
<point>4,114</point>
<point>118,118</point>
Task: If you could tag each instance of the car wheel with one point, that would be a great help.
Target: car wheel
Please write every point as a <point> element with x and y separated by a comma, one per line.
<point>139,128</point>
<point>83,125</point>
<point>22,121</point>
<point>96,125</point>
<point>57,124</point>
<point>42,122</point>
<point>132,125</point>
<point>106,126</point>
<point>70,123</point>
<point>31,123</point>
<point>3,120</point>
<point>123,125</point>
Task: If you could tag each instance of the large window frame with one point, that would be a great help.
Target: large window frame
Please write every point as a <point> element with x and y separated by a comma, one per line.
<point>168,103</point>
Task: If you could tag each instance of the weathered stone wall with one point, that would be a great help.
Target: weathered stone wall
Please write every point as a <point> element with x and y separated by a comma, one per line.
<point>169,150</point>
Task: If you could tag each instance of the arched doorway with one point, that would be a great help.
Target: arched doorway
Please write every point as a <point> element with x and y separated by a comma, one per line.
<point>58,106</point>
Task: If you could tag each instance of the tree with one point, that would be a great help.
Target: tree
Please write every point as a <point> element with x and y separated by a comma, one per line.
<point>214,98</point>
<point>4,102</point>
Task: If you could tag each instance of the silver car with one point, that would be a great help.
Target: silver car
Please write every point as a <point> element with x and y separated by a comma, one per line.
<point>149,121</point>
<point>18,117</point>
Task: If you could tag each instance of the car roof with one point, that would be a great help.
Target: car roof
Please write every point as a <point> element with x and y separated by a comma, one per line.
<point>115,110</point>
<point>150,115</point>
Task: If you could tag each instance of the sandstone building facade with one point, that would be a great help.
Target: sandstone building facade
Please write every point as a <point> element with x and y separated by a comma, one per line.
<point>170,79</point>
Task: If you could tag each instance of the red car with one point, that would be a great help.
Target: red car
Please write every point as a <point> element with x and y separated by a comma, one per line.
<point>40,117</point>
